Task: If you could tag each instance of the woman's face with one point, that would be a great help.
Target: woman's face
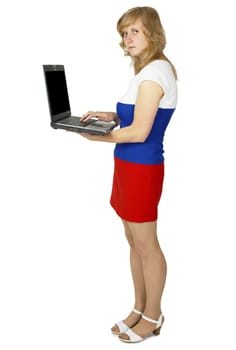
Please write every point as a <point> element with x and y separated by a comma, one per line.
<point>134,39</point>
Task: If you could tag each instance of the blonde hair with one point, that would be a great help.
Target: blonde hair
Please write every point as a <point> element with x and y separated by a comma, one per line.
<point>154,32</point>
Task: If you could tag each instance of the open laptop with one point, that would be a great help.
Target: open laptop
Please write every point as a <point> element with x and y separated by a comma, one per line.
<point>59,105</point>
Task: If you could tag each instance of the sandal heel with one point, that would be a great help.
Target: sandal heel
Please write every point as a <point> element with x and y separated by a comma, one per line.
<point>157,331</point>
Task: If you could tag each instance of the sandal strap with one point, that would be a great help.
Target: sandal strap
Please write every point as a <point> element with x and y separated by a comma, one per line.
<point>137,312</point>
<point>133,337</point>
<point>122,327</point>
<point>157,322</point>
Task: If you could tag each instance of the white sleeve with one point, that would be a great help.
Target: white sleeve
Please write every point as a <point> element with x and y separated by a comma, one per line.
<point>161,73</point>
<point>157,72</point>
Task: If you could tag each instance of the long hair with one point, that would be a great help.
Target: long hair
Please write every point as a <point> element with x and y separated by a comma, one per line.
<point>154,32</point>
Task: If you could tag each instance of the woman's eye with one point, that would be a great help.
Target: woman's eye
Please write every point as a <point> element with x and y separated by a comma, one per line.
<point>124,34</point>
<point>135,31</point>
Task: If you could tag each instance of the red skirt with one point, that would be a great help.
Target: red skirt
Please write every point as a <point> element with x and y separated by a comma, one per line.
<point>136,190</point>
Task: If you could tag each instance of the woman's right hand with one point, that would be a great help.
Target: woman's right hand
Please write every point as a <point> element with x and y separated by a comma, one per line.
<point>104,116</point>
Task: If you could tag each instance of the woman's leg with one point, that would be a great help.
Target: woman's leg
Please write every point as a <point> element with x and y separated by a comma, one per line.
<point>154,268</point>
<point>136,271</point>
<point>138,281</point>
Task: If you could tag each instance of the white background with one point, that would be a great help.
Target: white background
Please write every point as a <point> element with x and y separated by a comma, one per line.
<point>64,264</point>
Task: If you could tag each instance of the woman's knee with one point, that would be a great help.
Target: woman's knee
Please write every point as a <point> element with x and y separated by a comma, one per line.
<point>128,234</point>
<point>130,240</point>
<point>141,247</point>
<point>144,239</point>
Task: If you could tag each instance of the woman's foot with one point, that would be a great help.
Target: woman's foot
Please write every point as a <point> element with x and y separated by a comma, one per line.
<point>133,318</point>
<point>142,330</point>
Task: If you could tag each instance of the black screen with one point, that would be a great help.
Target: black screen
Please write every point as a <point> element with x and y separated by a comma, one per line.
<point>57,91</point>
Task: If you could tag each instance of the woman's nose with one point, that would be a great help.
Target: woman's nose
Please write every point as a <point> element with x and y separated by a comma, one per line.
<point>129,37</point>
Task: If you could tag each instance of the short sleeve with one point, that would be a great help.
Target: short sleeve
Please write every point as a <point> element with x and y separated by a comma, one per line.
<point>158,71</point>
<point>161,72</point>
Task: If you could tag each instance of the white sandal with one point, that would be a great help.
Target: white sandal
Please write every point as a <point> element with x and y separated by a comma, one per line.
<point>135,338</point>
<point>122,326</point>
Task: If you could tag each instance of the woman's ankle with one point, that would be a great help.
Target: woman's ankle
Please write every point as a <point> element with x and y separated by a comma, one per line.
<point>140,306</point>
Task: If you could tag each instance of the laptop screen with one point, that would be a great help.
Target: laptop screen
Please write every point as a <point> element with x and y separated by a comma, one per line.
<point>57,90</point>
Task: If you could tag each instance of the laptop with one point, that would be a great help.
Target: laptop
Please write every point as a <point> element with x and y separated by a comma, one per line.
<point>59,105</point>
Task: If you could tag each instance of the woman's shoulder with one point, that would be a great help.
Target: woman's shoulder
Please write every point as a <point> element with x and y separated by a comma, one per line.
<point>160,71</point>
<point>159,65</point>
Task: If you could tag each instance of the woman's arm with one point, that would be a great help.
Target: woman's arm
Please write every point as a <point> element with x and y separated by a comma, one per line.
<point>146,106</point>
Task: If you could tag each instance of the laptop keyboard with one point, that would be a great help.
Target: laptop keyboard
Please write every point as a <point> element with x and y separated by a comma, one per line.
<point>76,121</point>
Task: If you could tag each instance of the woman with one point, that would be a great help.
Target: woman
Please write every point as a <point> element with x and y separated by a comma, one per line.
<point>143,113</point>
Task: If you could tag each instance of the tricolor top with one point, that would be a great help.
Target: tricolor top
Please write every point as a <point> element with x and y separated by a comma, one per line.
<point>151,151</point>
